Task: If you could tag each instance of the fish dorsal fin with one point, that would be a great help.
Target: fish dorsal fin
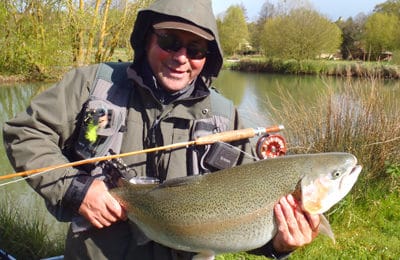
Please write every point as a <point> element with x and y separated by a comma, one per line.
<point>325,228</point>
<point>181,181</point>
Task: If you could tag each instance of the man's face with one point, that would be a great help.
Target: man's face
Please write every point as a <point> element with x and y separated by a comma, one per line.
<point>176,57</point>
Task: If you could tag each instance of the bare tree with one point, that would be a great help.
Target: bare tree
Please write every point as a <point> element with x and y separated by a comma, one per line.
<point>95,18</point>
<point>103,32</point>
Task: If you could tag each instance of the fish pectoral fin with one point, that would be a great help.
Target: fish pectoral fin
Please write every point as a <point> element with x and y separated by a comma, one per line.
<point>206,255</point>
<point>325,228</point>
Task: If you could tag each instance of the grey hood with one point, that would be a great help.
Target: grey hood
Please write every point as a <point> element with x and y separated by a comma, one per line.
<point>196,12</point>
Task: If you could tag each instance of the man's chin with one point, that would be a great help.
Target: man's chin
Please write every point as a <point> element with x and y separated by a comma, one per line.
<point>174,85</point>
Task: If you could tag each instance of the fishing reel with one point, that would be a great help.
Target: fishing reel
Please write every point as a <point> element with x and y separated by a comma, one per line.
<point>271,146</point>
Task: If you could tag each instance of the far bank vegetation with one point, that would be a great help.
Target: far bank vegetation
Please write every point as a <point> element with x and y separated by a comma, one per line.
<point>43,39</point>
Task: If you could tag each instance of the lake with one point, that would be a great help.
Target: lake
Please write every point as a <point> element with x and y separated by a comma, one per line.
<point>249,92</point>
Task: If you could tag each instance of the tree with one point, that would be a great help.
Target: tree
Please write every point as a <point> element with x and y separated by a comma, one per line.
<point>94,23</point>
<point>301,34</point>
<point>352,46</point>
<point>77,21</point>
<point>268,10</point>
<point>233,31</point>
<point>389,7</point>
<point>33,34</point>
<point>381,33</point>
<point>42,36</point>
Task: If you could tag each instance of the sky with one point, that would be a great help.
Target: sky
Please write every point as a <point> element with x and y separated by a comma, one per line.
<point>333,9</point>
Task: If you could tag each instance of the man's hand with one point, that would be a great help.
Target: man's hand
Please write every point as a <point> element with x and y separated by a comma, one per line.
<point>295,227</point>
<point>99,207</point>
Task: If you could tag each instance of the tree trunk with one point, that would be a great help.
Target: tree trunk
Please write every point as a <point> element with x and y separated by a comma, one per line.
<point>89,47</point>
<point>78,32</point>
<point>103,33</point>
<point>115,37</point>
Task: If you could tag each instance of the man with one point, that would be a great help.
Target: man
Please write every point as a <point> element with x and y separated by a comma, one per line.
<point>165,99</point>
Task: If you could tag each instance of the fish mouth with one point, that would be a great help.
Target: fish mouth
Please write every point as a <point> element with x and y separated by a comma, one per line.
<point>348,181</point>
<point>356,169</point>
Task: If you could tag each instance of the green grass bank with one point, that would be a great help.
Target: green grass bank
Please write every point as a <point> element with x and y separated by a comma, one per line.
<point>316,67</point>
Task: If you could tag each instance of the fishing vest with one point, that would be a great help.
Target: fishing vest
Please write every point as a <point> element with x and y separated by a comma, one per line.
<point>104,114</point>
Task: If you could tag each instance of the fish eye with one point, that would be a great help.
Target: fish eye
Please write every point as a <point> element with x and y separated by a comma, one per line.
<point>336,174</point>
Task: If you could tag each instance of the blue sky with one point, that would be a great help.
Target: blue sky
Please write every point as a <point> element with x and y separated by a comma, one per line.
<point>333,9</point>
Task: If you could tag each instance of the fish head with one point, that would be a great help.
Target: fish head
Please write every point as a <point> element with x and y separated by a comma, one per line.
<point>330,179</point>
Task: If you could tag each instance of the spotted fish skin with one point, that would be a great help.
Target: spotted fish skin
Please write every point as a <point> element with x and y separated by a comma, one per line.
<point>226,211</point>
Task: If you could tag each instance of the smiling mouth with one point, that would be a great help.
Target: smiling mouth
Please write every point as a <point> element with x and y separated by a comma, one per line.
<point>177,74</point>
<point>178,71</point>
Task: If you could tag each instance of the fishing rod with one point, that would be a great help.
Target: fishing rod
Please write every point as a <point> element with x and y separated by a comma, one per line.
<point>227,136</point>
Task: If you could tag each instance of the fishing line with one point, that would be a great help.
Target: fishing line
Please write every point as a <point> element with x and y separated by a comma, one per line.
<point>243,152</point>
<point>24,178</point>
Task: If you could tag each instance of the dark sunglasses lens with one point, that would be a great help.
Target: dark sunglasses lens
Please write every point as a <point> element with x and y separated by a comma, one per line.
<point>168,42</point>
<point>171,43</point>
<point>195,52</point>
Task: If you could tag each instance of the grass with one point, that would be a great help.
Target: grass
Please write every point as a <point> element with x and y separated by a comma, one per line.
<point>26,236</point>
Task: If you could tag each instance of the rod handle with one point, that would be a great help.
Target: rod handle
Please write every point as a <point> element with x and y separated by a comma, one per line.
<point>226,136</point>
<point>234,135</point>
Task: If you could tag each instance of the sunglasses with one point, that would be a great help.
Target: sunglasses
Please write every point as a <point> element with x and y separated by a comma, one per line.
<point>171,43</point>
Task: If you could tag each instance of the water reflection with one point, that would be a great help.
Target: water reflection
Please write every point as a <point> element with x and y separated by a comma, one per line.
<point>250,91</point>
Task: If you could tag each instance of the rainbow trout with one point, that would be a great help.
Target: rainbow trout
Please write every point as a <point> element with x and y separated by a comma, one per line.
<point>232,210</point>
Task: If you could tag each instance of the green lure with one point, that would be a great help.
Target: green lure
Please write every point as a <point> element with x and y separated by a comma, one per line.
<point>91,132</point>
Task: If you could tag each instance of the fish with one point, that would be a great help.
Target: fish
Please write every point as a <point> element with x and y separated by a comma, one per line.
<point>231,210</point>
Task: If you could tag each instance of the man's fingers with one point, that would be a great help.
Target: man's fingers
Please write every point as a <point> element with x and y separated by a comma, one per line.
<point>280,218</point>
<point>99,207</point>
<point>288,213</point>
<point>114,208</point>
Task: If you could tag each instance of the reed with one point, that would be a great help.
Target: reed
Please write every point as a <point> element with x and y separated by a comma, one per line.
<point>25,235</point>
<point>354,118</point>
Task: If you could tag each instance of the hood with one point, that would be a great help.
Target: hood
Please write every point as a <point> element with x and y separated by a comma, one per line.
<point>195,12</point>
